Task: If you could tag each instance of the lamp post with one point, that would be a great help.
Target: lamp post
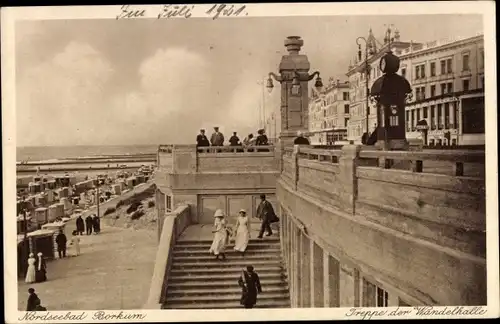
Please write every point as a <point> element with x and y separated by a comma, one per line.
<point>368,50</point>
<point>293,77</point>
<point>262,110</point>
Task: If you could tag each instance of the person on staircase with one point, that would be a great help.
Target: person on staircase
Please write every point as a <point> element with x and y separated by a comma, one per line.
<point>220,235</point>
<point>265,212</point>
<point>250,286</point>
<point>242,232</point>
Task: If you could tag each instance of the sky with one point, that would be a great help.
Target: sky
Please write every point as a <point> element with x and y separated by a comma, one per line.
<point>149,81</point>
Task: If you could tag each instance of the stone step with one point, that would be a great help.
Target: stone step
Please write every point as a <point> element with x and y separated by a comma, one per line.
<point>223,272</point>
<point>237,264</point>
<point>234,297</point>
<point>222,283</point>
<point>263,241</point>
<point>230,247</point>
<point>229,252</point>
<point>220,292</point>
<point>195,279</point>
<point>229,257</point>
<point>284,303</point>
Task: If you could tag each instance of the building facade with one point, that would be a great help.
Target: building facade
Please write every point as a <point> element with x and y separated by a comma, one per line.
<point>447,78</point>
<point>329,113</point>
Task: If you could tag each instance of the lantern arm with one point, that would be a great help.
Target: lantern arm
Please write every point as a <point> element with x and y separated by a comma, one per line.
<point>311,76</point>
<point>275,77</point>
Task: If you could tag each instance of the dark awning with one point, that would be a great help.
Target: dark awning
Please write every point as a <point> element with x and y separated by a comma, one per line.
<point>422,124</point>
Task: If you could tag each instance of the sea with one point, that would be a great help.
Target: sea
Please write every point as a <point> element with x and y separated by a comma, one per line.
<point>44,153</point>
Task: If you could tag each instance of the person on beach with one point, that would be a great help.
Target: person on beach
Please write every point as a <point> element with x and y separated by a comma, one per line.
<point>38,306</point>
<point>80,226</point>
<point>41,268</point>
<point>61,241</point>
<point>220,235</point>
<point>32,298</point>
<point>88,224</point>
<point>31,272</point>
<point>75,241</point>
<point>242,232</point>
<point>96,221</point>
<point>249,282</point>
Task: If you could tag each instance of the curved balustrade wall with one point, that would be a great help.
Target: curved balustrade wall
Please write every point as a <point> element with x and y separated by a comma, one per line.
<point>374,228</point>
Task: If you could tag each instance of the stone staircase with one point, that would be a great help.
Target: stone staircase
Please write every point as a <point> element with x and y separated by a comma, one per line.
<point>198,281</point>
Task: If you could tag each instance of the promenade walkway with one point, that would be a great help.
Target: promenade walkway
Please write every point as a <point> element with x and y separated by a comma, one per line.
<point>113,271</point>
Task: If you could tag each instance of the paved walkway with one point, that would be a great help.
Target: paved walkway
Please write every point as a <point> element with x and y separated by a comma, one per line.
<point>113,271</point>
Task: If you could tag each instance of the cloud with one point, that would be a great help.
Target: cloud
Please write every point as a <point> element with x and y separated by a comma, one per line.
<point>59,99</point>
<point>171,104</point>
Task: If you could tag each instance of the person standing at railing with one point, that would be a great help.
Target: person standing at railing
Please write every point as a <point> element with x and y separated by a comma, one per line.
<point>301,140</point>
<point>234,140</point>
<point>201,139</point>
<point>262,140</point>
<point>217,138</point>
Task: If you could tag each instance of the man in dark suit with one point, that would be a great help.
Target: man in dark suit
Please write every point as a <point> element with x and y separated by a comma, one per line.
<point>31,300</point>
<point>250,286</point>
<point>61,241</point>
<point>265,212</point>
<point>89,223</point>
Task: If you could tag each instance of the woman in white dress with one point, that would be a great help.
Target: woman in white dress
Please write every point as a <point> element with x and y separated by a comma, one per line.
<point>31,272</point>
<point>242,232</point>
<point>75,241</point>
<point>220,235</point>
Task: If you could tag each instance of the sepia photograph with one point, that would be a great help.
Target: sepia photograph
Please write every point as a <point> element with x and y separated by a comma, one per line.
<point>274,157</point>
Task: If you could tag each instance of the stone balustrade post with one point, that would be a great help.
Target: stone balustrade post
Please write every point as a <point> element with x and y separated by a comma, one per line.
<point>348,162</point>
<point>185,159</point>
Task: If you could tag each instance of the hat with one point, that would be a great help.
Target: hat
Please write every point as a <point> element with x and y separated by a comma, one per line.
<point>202,130</point>
<point>243,211</point>
<point>260,131</point>
<point>40,253</point>
<point>31,255</point>
<point>219,213</point>
<point>299,133</point>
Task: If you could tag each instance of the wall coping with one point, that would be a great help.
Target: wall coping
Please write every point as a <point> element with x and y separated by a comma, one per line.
<point>163,256</point>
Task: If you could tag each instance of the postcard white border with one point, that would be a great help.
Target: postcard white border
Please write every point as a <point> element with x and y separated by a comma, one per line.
<point>10,15</point>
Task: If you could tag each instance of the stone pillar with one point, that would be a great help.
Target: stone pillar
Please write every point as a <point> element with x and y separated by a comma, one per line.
<point>185,159</point>
<point>317,280</point>
<point>160,209</point>
<point>297,271</point>
<point>348,163</point>
<point>436,120</point>
<point>349,286</point>
<point>295,164</point>
<point>305,260</point>
<point>330,281</point>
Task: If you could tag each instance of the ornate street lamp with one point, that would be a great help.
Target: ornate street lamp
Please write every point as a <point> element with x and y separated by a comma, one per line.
<point>296,88</point>
<point>368,51</point>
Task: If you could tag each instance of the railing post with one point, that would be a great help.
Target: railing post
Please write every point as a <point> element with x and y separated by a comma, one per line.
<point>348,163</point>
<point>295,163</point>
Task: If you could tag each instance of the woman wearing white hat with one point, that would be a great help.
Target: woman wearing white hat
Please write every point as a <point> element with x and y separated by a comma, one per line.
<point>242,232</point>
<point>31,272</point>
<point>220,235</point>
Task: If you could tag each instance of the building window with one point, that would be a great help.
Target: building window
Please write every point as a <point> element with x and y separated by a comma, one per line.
<point>433,90</point>
<point>443,67</point>
<point>422,71</point>
<point>446,115</point>
<point>473,115</point>
<point>412,119</point>
<point>346,121</point>
<point>417,93</point>
<point>345,96</point>
<point>438,119</point>
<point>465,62</point>
<point>418,115</point>
<point>403,72</point>
<point>346,108</point>
<point>407,118</point>
<point>425,112</point>
<point>433,118</point>
<point>465,84</point>
<point>431,142</point>
<point>422,92</point>
<point>374,296</point>
<point>433,69</point>
<point>449,87</point>
<point>168,204</point>
<point>443,88</point>
<point>324,113</point>
<point>417,72</point>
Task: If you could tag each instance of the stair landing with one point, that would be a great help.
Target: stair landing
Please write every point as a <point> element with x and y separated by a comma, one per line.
<point>203,232</point>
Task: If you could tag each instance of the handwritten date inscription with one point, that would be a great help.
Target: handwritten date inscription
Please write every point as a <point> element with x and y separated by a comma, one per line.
<point>226,11</point>
<point>182,11</point>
